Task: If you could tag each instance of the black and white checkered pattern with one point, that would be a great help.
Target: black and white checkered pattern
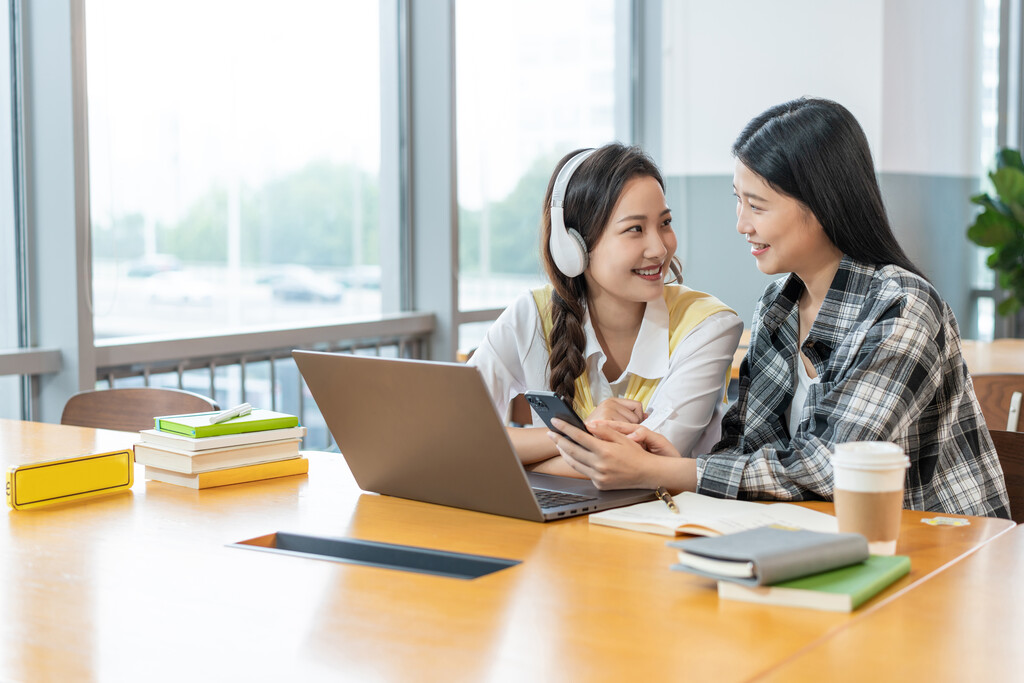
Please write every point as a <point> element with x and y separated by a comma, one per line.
<point>887,351</point>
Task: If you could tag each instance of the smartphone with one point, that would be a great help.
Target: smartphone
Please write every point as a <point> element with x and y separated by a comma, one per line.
<point>548,404</point>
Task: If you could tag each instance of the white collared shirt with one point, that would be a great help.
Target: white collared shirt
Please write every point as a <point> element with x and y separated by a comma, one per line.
<point>686,406</point>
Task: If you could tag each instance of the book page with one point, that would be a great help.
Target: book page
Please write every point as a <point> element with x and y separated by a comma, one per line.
<point>699,514</point>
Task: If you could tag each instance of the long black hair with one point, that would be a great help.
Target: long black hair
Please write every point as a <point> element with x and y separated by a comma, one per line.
<point>590,198</point>
<point>814,151</point>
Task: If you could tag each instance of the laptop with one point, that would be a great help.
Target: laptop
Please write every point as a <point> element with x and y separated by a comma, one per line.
<point>428,431</point>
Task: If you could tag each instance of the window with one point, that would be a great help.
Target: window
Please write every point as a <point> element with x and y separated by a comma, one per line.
<point>234,164</point>
<point>983,282</point>
<point>541,86</point>
<point>10,405</point>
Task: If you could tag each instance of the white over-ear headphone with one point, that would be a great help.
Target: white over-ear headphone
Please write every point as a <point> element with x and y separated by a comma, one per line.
<point>568,249</point>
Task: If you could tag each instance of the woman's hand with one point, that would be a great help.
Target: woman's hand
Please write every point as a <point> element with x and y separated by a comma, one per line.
<point>618,410</point>
<point>609,459</point>
<point>613,460</point>
<point>650,441</point>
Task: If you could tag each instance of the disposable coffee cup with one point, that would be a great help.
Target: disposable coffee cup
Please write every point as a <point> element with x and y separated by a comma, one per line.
<point>868,491</point>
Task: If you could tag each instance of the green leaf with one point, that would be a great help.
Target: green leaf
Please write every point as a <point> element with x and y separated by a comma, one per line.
<point>1013,252</point>
<point>1007,157</point>
<point>992,229</point>
<point>1009,184</point>
<point>991,203</point>
<point>1008,306</point>
<point>1007,257</point>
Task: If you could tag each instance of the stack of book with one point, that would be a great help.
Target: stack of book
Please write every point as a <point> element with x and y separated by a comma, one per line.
<point>187,450</point>
<point>792,567</point>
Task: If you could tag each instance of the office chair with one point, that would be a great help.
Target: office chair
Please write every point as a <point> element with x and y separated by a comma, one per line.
<point>131,409</point>
<point>519,410</point>
<point>995,392</point>
<point>1010,449</point>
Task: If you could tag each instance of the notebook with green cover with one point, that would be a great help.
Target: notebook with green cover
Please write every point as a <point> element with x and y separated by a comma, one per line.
<point>839,590</point>
<point>198,424</point>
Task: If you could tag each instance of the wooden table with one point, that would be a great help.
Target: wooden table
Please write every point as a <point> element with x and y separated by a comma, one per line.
<point>967,623</point>
<point>142,585</point>
<point>1001,355</point>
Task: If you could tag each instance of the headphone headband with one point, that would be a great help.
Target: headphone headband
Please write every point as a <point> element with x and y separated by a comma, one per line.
<point>567,246</point>
<point>565,175</point>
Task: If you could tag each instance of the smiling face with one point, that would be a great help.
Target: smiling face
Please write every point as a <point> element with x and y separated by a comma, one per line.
<point>630,259</point>
<point>784,235</point>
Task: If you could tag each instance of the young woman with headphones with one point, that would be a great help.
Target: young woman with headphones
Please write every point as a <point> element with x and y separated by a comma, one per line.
<point>608,334</point>
<point>851,344</point>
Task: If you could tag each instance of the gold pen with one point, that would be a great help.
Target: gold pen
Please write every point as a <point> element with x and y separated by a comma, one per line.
<point>662,492</point>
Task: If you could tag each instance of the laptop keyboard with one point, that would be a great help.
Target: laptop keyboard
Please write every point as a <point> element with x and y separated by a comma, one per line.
<point>549,499</point>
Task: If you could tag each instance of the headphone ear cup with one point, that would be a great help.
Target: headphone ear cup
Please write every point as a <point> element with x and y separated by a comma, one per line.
<point>581,245</point>
<point>568,249</point>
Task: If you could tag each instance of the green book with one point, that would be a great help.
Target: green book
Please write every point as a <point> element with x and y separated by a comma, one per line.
<point>198,424</point>
<point>838,590</point>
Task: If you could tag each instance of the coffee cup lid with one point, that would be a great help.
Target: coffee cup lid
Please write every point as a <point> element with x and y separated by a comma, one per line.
<point>870,455</point>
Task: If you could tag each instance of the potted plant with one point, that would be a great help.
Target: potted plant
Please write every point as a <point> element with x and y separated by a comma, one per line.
<point>1000,226</point>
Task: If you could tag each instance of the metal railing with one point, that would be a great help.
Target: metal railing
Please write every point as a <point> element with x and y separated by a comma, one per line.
<point>254,366</point>
<point>222,366</point>
<point>406,333</point>
<point>29,361</point>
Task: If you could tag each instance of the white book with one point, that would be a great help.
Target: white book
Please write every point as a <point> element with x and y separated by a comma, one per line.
<point>193,462</point>
<point>710,565</point>
<point>203,443</point>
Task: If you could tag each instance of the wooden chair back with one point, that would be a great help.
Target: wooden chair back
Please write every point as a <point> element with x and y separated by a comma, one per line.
<point>520,413</point>
<point>520,410</point>
<point>994,392</point>
<point>131,409</point>
<point>1010,448</point>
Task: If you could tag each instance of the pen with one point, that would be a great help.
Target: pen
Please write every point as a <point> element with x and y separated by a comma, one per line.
<point>237,411</point>
<point>662,492</point>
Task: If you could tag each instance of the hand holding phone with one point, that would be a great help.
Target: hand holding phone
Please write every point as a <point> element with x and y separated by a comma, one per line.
<point>548,405</point>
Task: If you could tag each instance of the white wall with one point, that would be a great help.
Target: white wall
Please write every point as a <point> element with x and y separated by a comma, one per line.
<point>931,88</point>
<point>725,62</point>
<point>907,69</point>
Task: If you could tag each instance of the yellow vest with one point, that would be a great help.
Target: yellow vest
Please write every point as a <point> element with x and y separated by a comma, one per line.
<point>687,308</point>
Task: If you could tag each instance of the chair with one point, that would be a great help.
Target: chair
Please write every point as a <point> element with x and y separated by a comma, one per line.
<point>994,392</point>
<point>1010,449</point>
<point>519,412</point>
<point>131,409</point>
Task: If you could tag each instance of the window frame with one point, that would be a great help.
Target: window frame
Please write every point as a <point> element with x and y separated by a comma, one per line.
<point>418,193</point>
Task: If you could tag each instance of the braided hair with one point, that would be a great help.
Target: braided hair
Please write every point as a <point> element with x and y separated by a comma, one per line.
<point>590,198</point>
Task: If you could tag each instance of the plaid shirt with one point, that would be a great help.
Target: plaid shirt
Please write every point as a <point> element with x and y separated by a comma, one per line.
<point>887,351</point>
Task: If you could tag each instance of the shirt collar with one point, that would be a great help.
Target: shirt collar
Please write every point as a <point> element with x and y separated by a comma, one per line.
<point>649,358</point>
<point>850,288</point>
